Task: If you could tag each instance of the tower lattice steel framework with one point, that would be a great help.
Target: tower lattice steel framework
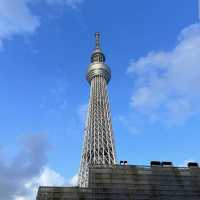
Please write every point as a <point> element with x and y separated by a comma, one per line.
<point>98,148</point>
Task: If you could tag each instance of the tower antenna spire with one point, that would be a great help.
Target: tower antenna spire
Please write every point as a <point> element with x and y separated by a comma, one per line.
<point>97,55</point>
<point>97,36</point>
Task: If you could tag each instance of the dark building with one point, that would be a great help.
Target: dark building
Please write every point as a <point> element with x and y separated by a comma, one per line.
<point>154,182</point>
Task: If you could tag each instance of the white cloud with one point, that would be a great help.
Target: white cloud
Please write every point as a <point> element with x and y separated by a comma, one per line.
<point>47,177</point>
<point>21,177</point>
<point>167,83</point>
<point>27,164</point>
<point>17,18</point>
<point>71,3</point>
<point>74,180</point>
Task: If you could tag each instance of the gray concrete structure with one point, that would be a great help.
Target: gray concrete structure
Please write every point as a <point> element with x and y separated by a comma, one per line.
<point>132,182</point>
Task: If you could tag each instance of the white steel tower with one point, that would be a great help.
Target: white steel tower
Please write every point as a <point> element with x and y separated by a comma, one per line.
<point>98,148</point>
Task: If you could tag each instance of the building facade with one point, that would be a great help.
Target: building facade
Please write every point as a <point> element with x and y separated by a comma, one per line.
<point>131,182</point>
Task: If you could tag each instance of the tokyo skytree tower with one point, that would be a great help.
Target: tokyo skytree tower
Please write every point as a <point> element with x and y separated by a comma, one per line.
<point>98,148</point>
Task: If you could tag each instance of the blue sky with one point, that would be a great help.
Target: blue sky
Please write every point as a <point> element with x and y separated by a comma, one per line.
<point>152,48</point>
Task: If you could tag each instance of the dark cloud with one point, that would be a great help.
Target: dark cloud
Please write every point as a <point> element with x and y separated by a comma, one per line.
<point>27,164</point>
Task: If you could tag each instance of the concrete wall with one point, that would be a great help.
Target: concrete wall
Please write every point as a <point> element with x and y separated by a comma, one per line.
<point>132,182</point>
